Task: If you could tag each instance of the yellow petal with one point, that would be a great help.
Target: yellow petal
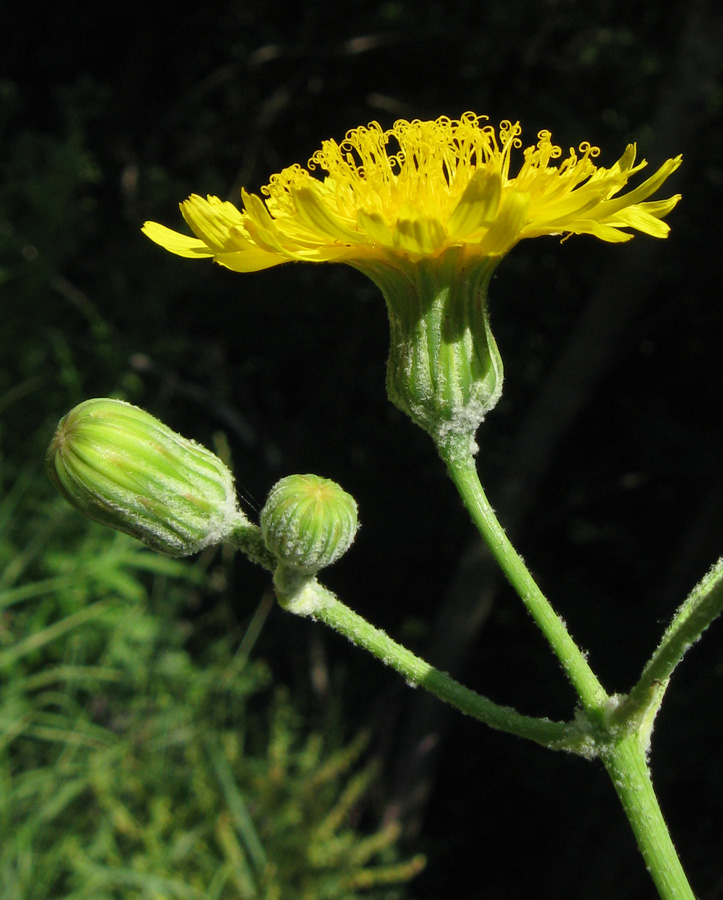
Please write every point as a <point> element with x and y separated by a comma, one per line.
<point>603,232</point>
<point>312,211</point>
<point>422,237</point>
<point>175,242</point>
<point>375,227</point>
<point>252,260</point>
<point>478,204</point>
<point>643,191</point>
<point>506,229</point>
<point>211,219</point>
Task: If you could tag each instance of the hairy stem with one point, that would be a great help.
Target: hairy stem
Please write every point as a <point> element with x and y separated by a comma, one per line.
<point>703,605</point>
<point>627,766</point>
<point>312,599</point>
<point>463,472</point>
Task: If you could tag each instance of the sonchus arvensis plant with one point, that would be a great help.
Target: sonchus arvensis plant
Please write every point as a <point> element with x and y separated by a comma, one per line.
<point>426,210</point>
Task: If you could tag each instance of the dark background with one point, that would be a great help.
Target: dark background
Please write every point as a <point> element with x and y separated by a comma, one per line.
<point>602,458</point>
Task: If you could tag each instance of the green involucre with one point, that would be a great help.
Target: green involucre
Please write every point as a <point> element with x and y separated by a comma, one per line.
<point>308,522</point>
<point>126,469</point>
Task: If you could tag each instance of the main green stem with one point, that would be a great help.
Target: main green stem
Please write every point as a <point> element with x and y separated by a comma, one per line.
<point>627,766</point>
<point>463,472</point>
<point>624,754</point>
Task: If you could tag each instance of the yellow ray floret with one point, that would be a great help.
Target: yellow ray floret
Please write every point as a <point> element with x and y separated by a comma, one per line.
<point>417,190</point>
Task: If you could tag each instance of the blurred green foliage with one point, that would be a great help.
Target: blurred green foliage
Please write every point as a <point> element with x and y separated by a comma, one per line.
<point>131,765</point>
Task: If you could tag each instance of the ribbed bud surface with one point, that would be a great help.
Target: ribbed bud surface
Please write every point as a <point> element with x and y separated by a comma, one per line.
<point>308,522</point>
<point>126,469</point>
<point>444,368</point>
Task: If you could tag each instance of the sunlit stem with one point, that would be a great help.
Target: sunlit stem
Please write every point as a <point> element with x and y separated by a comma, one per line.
<point>462,469</point>
<point>311,599</point>
<point>304,595</point>
<point>627,766</point>
<point>703,605</point>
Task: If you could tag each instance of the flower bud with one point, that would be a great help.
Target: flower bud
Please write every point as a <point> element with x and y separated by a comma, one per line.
<point>308,522</point>
<point>126,469</point>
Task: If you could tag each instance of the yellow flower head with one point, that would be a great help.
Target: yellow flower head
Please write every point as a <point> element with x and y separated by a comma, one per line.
<point>417,190</point>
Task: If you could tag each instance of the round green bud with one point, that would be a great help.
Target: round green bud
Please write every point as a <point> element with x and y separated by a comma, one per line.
<point>126,469</point>
<point>308,522</point>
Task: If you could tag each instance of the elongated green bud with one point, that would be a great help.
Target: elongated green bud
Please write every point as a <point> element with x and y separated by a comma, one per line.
<point>126,469</point>
<point>308,522</point>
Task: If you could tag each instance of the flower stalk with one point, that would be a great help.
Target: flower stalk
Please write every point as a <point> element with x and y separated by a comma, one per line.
<point>464,474</point>
<point>313,600</point>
